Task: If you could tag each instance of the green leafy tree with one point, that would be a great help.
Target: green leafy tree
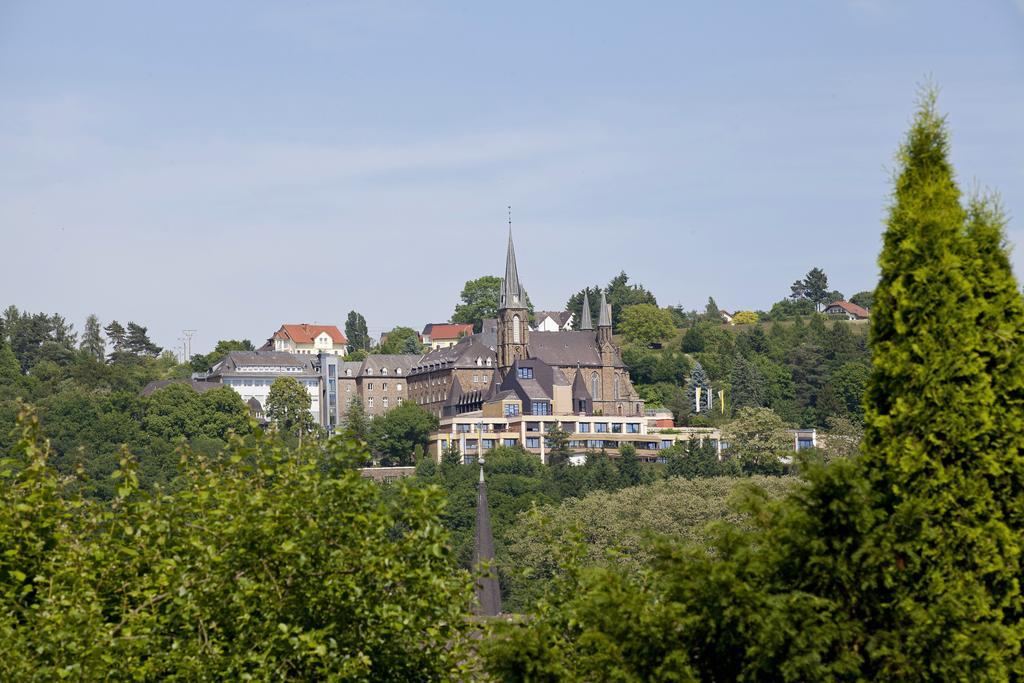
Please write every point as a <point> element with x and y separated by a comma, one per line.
<point>646,324</point>
<point>575,305</point>
<point>813,288</point>
<point>756,438</point>
<point>601,475</point>
<point>266,563</point>
<point>356,421</point>
<point>628,466</point>
<point>401,340</point>
<point>137,342</point>
<point>863,299</point>
<point>93,344</point>
<point>622,294</point>
<point>395,435</point>
<point>288,405</point>
<point>712,313</point>
<point>745,318</point>
<point>557,444</point>
<point>356,331</point>
<point>479,300</point>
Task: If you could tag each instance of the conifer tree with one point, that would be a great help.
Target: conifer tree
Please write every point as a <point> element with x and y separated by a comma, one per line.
<point>92,341</point>
<point>943,420</point>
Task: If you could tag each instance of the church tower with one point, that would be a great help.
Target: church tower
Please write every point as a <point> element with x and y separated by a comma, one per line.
<point>513,318</point>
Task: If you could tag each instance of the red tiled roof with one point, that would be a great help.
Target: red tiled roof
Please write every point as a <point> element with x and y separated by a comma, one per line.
<point>448,330</point>
<point>306,333</point>
<point>853,309</point>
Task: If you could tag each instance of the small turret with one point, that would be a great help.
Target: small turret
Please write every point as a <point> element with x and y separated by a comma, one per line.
<point>585,322</point>
<point>604,322</point>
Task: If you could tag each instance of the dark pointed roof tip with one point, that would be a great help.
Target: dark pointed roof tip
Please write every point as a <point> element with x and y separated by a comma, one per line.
<point>488,591</point>
<point>585,321</point>
<point>511,290</point>
<point>605,316</point>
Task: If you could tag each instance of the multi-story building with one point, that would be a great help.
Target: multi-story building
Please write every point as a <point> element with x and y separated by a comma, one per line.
<point>380,381</point>
<point>308,339</point>
<point>251,373</point>
<point>502,423</point>
<point>383,381</point>
<point>443,335</point>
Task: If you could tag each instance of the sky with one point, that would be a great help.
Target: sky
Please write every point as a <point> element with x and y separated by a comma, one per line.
<point>231,166</point>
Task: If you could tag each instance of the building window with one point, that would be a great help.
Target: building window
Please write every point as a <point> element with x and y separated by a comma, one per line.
<point>383,386</point>
<point>533,442</point>
<point>476,379</point>
<point>584,427</point>
<point>509,442</point>
<point>533,426</point>
<point>516,336</point>
<point>488,443</point>
<point>595,386</point>
<point>511,409</point>
<point>488,362</point>
<point>398,401</point>
<point>601,427</point>
<point>462,428</point>
<point>632,428</point>
<point>398,387</point>
<point>541,408</point>
<point>617,427</point>
<point>369,386</point>
<point>369,402</point>
<point>383,371</point>
<point>525,373</point>
<point>384,401</point>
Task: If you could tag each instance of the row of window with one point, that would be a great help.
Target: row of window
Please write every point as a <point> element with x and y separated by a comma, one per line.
<point>384,403</point>
<point>383,386</point>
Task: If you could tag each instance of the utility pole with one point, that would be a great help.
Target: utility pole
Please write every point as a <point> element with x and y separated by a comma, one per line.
<point>188,344</point>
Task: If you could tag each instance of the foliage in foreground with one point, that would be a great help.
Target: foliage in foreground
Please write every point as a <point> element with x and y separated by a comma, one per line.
<point>263,564</point>
<point>616,528</point>
<point>902,564</point>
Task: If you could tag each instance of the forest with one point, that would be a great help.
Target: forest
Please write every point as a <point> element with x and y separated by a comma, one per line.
<point>167,536</point>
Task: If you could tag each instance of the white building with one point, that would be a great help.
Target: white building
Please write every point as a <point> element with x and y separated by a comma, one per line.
<point>250,373</point>
<point>552,321</point>
<point>308,339</point>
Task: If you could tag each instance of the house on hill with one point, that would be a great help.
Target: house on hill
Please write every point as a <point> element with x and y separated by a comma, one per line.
<point>553,321</point>
<point>443,335</point>
<point>308,339</point>
<point>844,309</point>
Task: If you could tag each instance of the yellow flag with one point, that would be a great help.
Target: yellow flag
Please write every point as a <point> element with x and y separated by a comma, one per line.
<point>698,399</point>
<point>721,400</point>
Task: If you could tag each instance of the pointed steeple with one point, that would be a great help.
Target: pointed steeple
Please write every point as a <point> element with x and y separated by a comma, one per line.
<point>605,317</point>
<point>585,322</point>
<point>511,290</point>
<point>488,592</point>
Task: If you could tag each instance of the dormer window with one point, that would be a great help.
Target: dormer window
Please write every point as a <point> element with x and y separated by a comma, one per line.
<point>488,362</point>
<point>383,371</point>
<point>479,361</point>
<point>369,371</point>
<point>398,371</point>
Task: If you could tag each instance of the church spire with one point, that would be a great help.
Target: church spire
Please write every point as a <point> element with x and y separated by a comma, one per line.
<point>605,316</point>
<point>585,322</point>
<point>511,290</point>
<point>488,592</point>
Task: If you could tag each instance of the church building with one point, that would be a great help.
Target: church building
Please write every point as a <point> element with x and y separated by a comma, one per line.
<point>510,370</point>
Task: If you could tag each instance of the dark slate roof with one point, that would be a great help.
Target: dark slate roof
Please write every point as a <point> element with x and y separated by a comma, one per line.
<point>488,592</point>
<point>578,347</point>
<point>560,317</point>
<point>604,317</point>
<point>586,323</point>
<point>511,290</point>
<point>392,362</point>
<point>197,385</point>
<point>239,362</point>
<point>462,354</point>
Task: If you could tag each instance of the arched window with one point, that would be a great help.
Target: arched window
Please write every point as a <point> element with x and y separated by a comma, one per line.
<point>617,392</point>
<point>595,386</point>
<point>515,330</point>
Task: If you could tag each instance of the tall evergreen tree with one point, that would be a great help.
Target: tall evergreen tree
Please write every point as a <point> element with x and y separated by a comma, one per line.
<point>356,420</point>
<point>356,331</point>
<point>943,420</point>
<point>117,336</point>
<point>138,343</point>
<point>92,341</point>
<point>629,466</point>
